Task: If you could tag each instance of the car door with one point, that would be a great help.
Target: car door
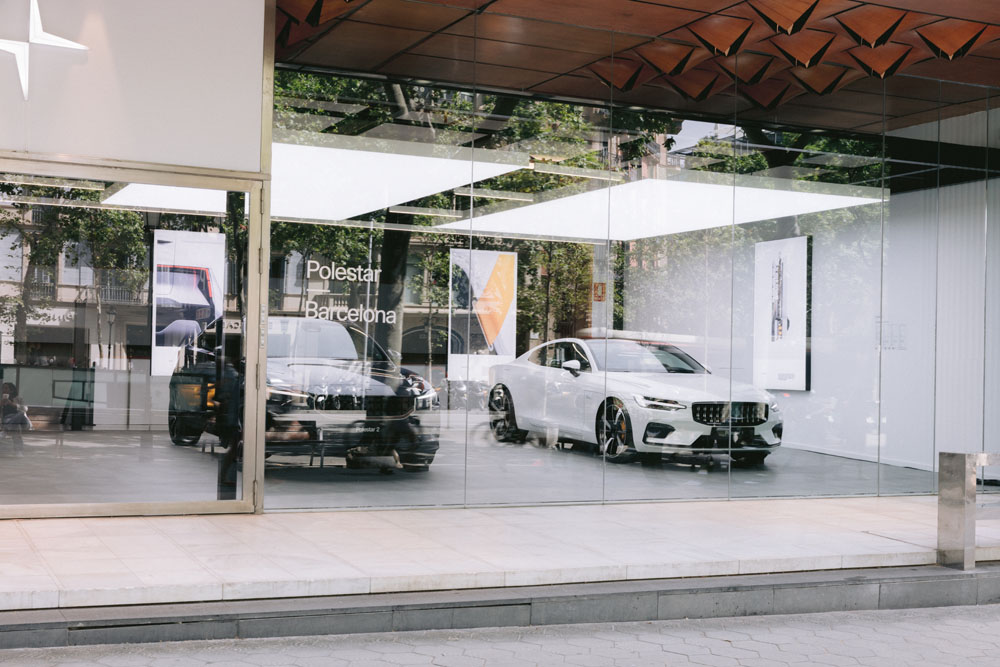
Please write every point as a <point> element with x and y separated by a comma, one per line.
<point>527,387</point>
<point>576,392</point>
<point>563,404</point>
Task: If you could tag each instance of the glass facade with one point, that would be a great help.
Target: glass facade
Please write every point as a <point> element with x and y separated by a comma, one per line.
<point>483,283</point>
<point>601,302</point>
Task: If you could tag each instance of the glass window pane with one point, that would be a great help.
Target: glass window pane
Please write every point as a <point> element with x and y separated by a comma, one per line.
<point>121,342</point>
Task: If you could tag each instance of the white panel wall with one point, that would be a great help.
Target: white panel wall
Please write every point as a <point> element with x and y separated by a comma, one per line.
<point>919,283</point>
<point>961,317</point>
<point>909,322</point>
<point>991,399</point>
<point>174,82</point>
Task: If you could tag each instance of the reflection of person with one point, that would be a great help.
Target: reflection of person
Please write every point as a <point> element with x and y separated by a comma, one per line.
<point>14,416</point>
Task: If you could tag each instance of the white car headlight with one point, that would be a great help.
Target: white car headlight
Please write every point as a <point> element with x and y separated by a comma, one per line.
<point>658,403</point>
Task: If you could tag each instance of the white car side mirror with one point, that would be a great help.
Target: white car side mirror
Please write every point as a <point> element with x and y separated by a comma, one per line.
<point>573,366</point>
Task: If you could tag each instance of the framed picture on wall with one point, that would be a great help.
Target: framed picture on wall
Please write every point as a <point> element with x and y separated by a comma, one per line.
<point>781,314</point>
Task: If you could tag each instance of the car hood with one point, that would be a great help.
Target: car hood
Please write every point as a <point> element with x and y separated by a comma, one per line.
<point>686,387</point>
<point>323,377</point>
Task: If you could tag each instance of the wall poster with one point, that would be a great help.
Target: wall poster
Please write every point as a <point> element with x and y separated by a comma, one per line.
<point>482,309</point>
<point>188,291</point>
<point>781,314</point>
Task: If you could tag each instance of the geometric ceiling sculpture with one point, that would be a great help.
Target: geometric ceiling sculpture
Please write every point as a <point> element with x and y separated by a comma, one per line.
<point>882,61</point>
<point>748,68</point>
<point>824,79</point>
<point>672,54</point>
<point>788,17</point>
<point>771,93</point>
<point>697,85</point>
<point>805,48</point>
<point>622,73</point>
<point>951,38</point>
<point>722,35</point>
<point>871,25</point>
<point>672,57</point>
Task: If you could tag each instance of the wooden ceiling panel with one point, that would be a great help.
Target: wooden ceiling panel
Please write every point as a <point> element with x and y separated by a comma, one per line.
<point>502,53</point>
<point>355,45</point>
<point>749,68</point>
<point>972,69</point>
<point>461,4</point>
<point>871,25</point>
<point>987,49</point>
<point>828,8</point>
<point>951,37</point>
<point>638,18</point>
<point>709,6</point>
<point>771,93</point>
<point>833,58</point>
<point>759,29</point>
<point>699,84</point>
<point>651,96</point>
<point>882,61</point>
<point>517,30</point>
<point>406,14</point>
<point>672,57</point>
<point>825,79</point>
<point>460,71</point>
<point>786,16</point>
<point>297,9</point>
<point>720,34</point>
<point>986,11</point>
<point>623,73</point>
<point>906,106</point>
<point>317,12</point>
<point>804,48</point>
<point>582,87</point>
<point>821,116</point>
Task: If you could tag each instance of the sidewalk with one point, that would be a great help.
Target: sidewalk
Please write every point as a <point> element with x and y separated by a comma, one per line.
<point>50,563</point>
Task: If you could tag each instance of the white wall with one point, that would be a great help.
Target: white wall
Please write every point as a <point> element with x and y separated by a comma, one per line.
<point>918,281</point>
<point>174,82</point>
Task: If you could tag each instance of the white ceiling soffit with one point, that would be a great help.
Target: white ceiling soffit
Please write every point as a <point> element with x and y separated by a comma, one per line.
<point>350,176</point>
<point>655,207</point>
<point>169,198</point>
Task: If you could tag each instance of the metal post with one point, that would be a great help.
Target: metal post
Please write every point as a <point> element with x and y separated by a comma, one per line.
<point>957,510</point>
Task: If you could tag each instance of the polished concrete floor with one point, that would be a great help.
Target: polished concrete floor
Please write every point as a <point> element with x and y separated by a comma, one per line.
<point>117,466</point>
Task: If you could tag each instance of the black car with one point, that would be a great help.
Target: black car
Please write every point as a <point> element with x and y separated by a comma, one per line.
<point>331,391</point>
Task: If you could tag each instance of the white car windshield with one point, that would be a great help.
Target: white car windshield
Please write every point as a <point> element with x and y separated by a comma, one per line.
<point>626,356</point>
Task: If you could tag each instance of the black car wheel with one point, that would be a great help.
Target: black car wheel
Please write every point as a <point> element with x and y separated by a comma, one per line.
<point>614,433</point>
<point>181,433</point>
<point>503,422</point>
<point>749,459</point>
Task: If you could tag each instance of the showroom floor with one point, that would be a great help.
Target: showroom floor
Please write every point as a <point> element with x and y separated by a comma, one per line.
<point>118,466</point>
<point>46,563</point>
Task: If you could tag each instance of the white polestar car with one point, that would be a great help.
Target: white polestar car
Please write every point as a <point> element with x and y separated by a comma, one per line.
<point>631,399</point>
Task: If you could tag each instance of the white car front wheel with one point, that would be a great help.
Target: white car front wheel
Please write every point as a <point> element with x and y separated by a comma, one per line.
<point>503,422</point>
<point>614,432</point>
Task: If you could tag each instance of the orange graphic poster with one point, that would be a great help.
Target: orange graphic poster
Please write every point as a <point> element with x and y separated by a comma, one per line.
<point>483,310</point>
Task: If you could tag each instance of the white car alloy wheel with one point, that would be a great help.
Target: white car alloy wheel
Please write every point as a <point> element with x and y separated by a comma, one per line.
<point>503,423</point>
<point>614,432</point>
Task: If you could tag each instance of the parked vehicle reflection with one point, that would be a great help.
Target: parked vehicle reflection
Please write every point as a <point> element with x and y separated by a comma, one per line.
<point>332,391</point>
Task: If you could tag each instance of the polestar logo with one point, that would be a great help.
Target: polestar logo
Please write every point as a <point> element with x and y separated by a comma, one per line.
<point>36,35</point>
